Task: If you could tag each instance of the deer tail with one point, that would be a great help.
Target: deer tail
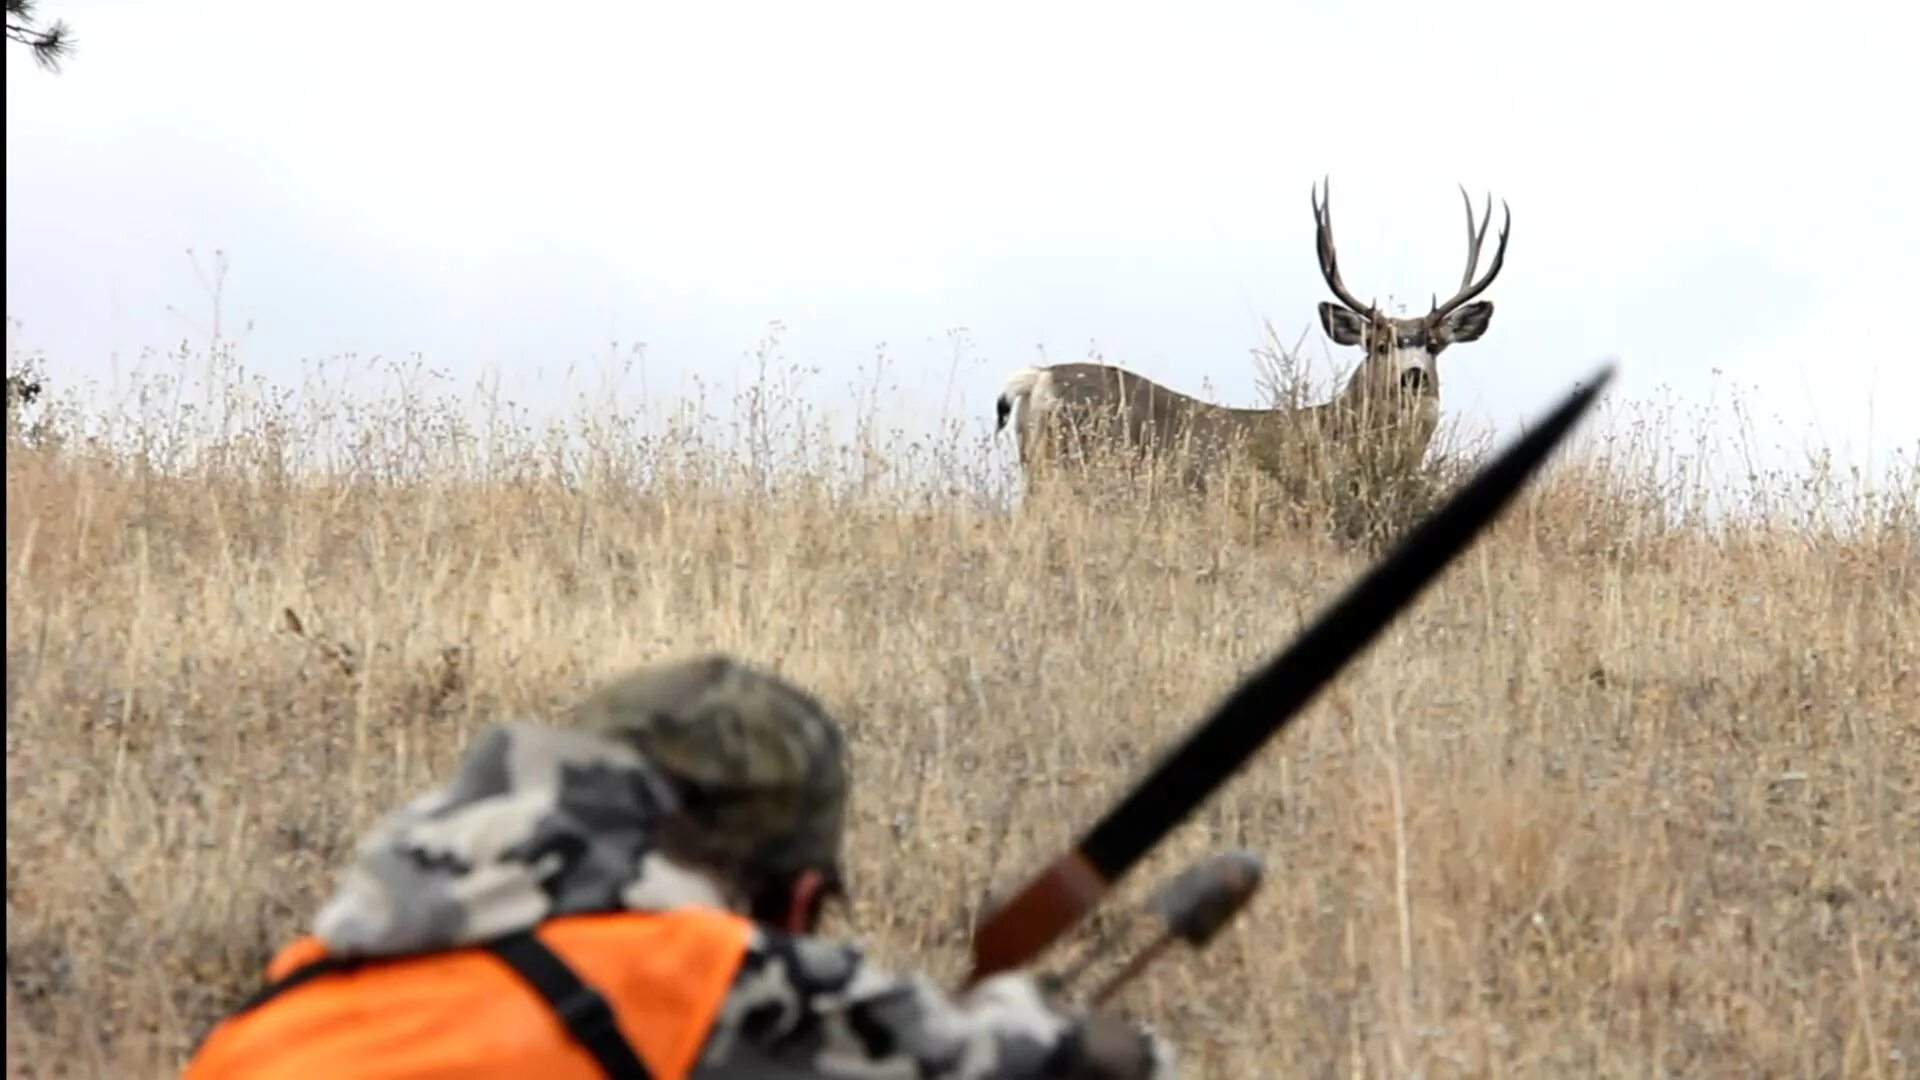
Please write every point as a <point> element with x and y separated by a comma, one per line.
<point>1018,387</point>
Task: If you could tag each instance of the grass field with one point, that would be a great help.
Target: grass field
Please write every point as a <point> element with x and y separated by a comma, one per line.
<point>1629,793</point>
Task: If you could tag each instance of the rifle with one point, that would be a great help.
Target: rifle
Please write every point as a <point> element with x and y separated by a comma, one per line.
<point>1057,898</point>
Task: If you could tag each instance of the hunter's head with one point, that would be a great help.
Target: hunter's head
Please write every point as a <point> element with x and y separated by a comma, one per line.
<point>759,770</point>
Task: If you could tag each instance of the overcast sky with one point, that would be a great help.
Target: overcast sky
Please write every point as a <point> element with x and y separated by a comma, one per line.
<point>1695,187</point>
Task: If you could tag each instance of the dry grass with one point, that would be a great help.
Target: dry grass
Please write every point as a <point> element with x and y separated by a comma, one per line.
<point>1625,795</point>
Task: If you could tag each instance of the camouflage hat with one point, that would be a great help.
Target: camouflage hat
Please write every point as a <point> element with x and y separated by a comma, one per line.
<point>762,765</point>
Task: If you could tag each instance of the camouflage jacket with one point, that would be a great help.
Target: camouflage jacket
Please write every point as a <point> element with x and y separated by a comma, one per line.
<point>806,1007</point>
<point>543,821</point>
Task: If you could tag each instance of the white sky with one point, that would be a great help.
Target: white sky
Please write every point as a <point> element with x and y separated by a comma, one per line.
<point>1695,187</point>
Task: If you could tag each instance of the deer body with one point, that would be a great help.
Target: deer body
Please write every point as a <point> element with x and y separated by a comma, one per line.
<point>1391,400</point>
<point>1059,409</point>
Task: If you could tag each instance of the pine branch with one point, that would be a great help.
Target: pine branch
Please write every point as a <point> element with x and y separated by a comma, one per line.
<point>50,45</point>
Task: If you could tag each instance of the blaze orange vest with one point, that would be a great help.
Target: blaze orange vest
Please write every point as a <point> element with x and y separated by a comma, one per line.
<point>623,994</point>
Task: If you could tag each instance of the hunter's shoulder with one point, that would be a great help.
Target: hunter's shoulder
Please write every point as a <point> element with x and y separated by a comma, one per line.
<point>791,966</point>
<point>818,1005</point>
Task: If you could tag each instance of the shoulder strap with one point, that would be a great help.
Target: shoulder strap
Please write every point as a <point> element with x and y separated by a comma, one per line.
<point>586,1014</point>
<point>326,965</point>
<point>580,1007</point>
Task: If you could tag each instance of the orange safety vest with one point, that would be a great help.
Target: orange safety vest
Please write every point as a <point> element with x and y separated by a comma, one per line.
<point>626,994</point>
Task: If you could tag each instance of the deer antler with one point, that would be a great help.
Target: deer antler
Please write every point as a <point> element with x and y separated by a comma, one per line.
<point>1329,265</point>
<point>1468,290</point>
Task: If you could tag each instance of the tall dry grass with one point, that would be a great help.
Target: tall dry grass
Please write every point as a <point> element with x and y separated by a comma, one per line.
<point>1630,792</point>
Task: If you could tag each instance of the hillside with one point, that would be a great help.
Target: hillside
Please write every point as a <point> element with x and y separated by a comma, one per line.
<point>1624,795</point>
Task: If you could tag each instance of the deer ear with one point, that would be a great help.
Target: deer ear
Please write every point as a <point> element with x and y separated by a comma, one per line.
<point>1468,323</point>
<point>1345,327</point>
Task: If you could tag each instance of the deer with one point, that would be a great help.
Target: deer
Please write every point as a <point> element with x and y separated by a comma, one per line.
<point>1394,392</point>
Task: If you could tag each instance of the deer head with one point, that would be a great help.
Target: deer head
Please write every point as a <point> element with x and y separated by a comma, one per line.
<point>1401,352</point>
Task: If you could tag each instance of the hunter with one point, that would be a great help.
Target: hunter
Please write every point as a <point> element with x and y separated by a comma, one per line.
<point>633,894</point>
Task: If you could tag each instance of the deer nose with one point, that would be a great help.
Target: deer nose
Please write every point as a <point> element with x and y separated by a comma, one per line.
<point>1415,380</point>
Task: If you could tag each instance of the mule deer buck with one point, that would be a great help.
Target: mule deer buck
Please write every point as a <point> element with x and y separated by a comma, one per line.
<point>1392,399</point>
